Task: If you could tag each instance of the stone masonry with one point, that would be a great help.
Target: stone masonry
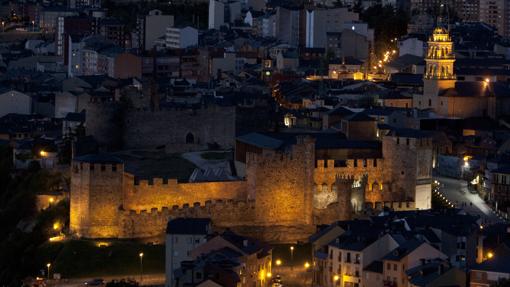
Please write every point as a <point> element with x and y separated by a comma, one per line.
<point>277,201</point>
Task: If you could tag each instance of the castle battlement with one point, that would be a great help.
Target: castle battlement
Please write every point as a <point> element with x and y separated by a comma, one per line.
<point>344,178</point>
<point>209,204</point>
<point>366,164</point>
<point>224,213</point>
<point>282,157</point>
<point>105,168</point>
<point>283,187</point>
<point>154,182</point>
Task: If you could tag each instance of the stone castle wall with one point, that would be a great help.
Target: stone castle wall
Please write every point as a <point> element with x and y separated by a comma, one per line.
<point>103,121</point>
<point>373,169</point>
<point>180,130</point>
<point>276,202</point>
<point>158,193</point>
<point>237,216</point>
<point>281,182</point>
<point>96,195</point>
<point>149,223</point>
<point>406,161</point>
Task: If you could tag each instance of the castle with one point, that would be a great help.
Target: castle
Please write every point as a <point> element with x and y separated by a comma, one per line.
<point>286,190</point>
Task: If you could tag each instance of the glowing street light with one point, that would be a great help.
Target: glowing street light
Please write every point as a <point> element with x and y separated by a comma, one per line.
<point>269,275</point>
<point>48,265</point>
<point>141,266</point>
<point>291,257</point>
<point>278,262</point>
<point>307,265</point>
<point>336,278</point>
<point>490,255</point>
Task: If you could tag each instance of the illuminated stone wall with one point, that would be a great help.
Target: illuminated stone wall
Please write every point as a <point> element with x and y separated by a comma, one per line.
<point>158,193</point>
<point>149,223</point>
<point>280,201</point>
<point>96,196</point>
<point>281,182</point>
<point>325,177</point>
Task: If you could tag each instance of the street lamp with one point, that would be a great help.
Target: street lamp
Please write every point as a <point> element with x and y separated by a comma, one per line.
<point>141,266</point>
<point>490,255</point>
<point>291,257</point>
<point>48,265</point>
<point>336,278</point>
<point>307,265</point>
<point>278,262</point>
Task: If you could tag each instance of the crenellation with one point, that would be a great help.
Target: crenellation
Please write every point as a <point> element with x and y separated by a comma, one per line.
<point>282,188</point>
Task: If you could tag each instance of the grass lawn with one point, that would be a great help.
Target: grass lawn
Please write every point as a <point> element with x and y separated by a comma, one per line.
<point>83,258</point>
<point>215,155</point>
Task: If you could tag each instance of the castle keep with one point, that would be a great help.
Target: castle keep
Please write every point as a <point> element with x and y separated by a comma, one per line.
<point>284,189</point>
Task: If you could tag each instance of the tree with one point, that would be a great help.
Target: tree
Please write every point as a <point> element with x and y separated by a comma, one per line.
<point>388,24</point>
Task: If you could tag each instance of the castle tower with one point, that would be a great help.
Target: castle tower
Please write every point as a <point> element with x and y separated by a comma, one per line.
<point>439,70</point>
<point>96,196</point>
<point>345,204</point>
<point>408,166</point>
<point>281,182</point>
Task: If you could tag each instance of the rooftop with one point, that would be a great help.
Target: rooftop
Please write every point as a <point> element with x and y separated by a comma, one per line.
<point>403,250</point>
<point>192,226</point>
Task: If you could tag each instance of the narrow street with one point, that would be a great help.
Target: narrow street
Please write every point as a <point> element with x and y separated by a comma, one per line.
<point>294,277</point>
<point>456,191</point>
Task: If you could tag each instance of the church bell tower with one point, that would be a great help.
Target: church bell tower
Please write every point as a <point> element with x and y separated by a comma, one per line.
<point>439,72</point>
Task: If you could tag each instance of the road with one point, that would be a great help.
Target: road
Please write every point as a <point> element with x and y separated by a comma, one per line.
<point>293,277</point>
<point>148,279</point>
<point>456,192</point>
